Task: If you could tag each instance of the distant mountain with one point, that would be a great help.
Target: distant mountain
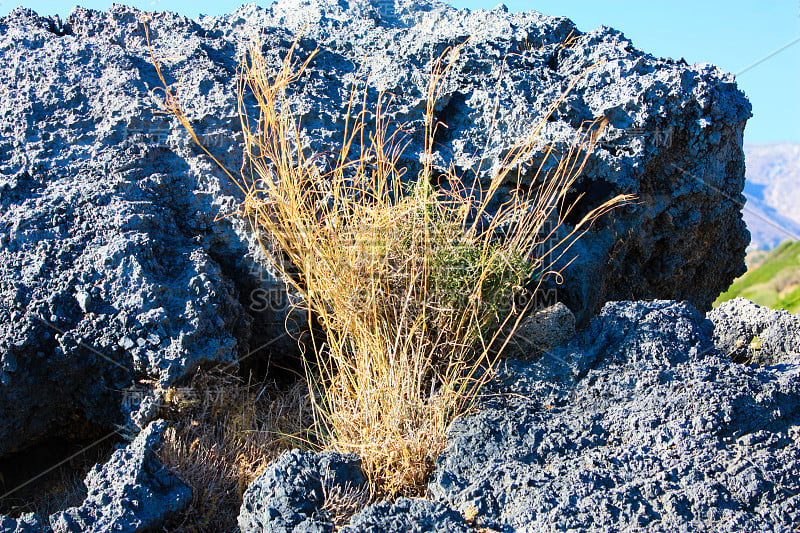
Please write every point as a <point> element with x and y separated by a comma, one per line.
<point>772,189</point>
<point>768,228</point>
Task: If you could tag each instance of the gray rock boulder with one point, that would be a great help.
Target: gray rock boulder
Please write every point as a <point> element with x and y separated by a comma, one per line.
<point>674,137</point>
<point>303,492</point>
<point>132,492</point>
<point>750,333</point>
<point>27,523</point>
<point>120,259</point>
<point>112,265</point>
<point>290,495</point>
<point>408,515</point>
<point>638,424</point>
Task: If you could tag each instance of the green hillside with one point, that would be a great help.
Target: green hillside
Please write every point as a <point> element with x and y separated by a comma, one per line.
<point>772,280</point>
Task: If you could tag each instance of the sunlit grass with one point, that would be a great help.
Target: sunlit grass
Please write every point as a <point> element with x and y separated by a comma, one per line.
<point>774,283</point>
<point>413,285</point>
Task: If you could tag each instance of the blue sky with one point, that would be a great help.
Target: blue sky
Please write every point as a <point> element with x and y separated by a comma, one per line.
<point>733,34</point>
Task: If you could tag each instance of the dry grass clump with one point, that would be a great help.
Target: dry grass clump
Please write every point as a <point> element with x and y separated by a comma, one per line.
<point>412,285</point>
<point>224,433</point>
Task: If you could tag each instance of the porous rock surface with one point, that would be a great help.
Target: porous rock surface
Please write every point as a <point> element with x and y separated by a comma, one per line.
<point>119,262</point>
<point>113,268</point>
<point>27,523</point>
<point>289,496</point>
<point>638,424</point>
<point>132,492</point>
<point>751,333</point>
<point>408,515</point>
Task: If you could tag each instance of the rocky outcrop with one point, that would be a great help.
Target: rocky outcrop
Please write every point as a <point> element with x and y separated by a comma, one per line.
<point>120,260</point>
<point>302,492</point>
<point>27,523</point>
<point>408,515</point>
<point>638,424</point>
<point>116,264</point>
<point>132,492</point>
<point>112,265</point>
<point>290,496</point>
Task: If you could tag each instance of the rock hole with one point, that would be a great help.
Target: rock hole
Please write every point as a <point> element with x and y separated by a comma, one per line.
<point>583,197</point>
<point>48,476</point>
<point>456,107</point>
<point>552,62</point>
<point>267,304</point>
<point>56,27</point>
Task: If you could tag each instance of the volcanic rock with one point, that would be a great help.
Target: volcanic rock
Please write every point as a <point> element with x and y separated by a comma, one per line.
<point>132,492</point>
<point>122,261</point>
<point>638,424</point>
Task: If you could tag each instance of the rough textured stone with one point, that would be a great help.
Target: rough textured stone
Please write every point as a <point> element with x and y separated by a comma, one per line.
<point>27,523</point>
<point>638,424</point>
<point>112,265</point>
<point>119,262</point>
<point>751,333</point>
<point>674,137</point>
<point>289,495</point>
<point>408,515</point>
<point>132,492</point>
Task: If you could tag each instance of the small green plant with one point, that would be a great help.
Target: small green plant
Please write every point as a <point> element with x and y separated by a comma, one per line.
<point>755,343</point>
<point>413,285</point>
